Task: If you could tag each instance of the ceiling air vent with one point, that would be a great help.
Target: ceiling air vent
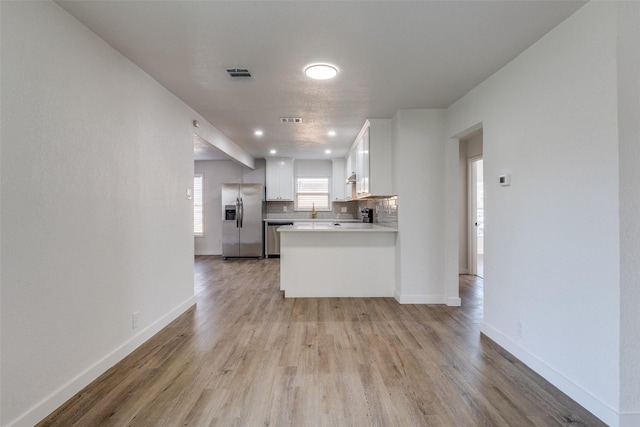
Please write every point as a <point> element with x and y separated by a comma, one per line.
<point>290,120</point>
<point>241,73</point>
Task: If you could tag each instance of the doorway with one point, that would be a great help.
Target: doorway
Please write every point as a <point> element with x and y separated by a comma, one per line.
<point>476,216</point>
<point>470,195</point>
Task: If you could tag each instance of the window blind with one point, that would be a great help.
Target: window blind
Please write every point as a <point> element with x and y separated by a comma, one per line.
<point>312,193</point>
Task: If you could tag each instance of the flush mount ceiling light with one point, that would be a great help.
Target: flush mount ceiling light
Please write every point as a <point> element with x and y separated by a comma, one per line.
<point>258,133</point>
<point>272,151</point>
<point>327,151</point>
<point>321,71</point>
<point>332,133</point>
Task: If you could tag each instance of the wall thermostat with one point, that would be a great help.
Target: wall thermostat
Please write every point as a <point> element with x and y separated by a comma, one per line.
<point>504,180</point>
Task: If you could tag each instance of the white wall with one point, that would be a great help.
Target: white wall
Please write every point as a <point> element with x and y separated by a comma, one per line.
<point>629,128</point>
<point>96,160</point>
<point>216,173</point>
<point>419,174</point>
<point>312,168</point>
<point>552,262</point>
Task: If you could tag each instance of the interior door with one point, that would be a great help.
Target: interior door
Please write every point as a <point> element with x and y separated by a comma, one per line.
<point>476,217</point>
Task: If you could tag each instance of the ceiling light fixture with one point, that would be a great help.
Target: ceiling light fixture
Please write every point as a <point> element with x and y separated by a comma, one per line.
<point>327,151</point>
<point>272,151</point>
<point>321,71</point>
<point>332,133</point>
<point>258,132</point>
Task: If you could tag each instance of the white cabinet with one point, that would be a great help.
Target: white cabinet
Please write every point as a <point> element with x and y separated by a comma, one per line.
<point>350,170</point>
<point>373,162</point>
<point>362,163</point>
<point>279,179</point>
<point>338,180</point>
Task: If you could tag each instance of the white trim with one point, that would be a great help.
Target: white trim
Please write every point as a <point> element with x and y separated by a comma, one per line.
<point>568,387</point>
<point>454,301</point>
<point>50,403</point>
<point>420,299</point>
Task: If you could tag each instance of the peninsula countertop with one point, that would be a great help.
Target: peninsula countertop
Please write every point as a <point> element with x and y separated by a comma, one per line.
<point>338,227</point>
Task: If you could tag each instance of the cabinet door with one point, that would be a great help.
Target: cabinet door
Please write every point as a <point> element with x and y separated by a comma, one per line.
<point>285,169</point>
<point>366,171</point>
<point>362,165</point>
<point>337,180</point>
<point>359,159</point>
<point>273,179</point>
<point>279,179</point>
<point>351,164</point>
<point>373,154</point>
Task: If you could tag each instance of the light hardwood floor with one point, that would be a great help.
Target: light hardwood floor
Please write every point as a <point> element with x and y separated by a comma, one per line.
<point>245,356</point>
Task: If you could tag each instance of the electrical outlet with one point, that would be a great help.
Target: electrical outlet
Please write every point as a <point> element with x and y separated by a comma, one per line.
<point>343,209</point>
<point>135,317</point>
<point>519,331</point>
<point>284,209</point>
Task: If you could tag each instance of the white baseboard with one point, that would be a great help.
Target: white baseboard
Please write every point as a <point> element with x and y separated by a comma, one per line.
<point>68,390</point>
<point>420,299</point>
<point>454,301</point>
<point>571,389</point>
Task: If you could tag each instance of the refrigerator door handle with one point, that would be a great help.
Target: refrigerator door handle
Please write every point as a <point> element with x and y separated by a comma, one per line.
<point>241,212</point>
<point>238,213</point>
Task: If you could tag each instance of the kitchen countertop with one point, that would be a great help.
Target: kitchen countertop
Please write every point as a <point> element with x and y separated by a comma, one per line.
<point>307,226</point>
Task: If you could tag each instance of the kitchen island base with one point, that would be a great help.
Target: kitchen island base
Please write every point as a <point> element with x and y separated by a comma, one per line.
<point>348,263</point>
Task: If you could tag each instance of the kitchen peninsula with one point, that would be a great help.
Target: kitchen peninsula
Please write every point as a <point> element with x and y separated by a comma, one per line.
<point>319,259</point>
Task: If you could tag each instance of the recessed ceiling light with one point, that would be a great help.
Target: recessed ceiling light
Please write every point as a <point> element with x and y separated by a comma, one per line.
<point>321,71</point>
<point>258,132</point>
<point>327,151</point>
<point>272,151</point>
<point>332,133</point>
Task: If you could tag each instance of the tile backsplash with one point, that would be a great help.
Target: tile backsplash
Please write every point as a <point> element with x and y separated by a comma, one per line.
<point>275,210</point>
<point>385,210</point>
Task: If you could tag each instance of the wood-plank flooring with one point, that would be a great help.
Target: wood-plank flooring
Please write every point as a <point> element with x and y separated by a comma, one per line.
<point>245,356</point>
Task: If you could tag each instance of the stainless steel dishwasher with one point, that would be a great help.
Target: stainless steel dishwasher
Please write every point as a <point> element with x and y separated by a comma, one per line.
<point>273,238</point>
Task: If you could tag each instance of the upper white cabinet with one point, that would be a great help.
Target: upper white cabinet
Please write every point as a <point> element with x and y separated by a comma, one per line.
<point>373,162</point>
<point>349,170</point>
<point>338,180</point>
<point>279,179</point>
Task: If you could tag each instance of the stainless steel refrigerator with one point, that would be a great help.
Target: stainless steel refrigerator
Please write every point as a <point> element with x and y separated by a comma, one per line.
<point>242,227</point>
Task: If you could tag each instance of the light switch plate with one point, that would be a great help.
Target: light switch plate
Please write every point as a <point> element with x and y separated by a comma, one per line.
<point>189,194</point>
<point>505,180</point>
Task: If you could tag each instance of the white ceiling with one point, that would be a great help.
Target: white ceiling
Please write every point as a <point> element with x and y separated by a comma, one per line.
<point>391,54</point>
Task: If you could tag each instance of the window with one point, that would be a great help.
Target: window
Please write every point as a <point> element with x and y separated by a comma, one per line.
<point>198,205</point>
<point>312,193</point>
